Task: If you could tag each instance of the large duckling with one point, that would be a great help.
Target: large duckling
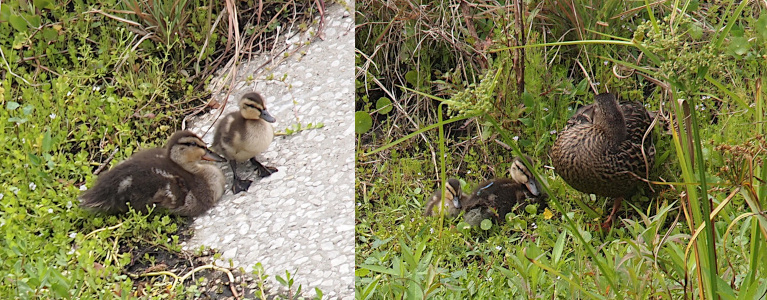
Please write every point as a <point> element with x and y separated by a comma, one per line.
<point>242,135</point>
<point>172,177</point>
<point>493,199</point>
<point>601,150</point>
<point>454,196</point>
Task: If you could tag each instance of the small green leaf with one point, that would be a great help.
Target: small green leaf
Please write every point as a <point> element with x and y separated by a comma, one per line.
<point>34,159</point>
<point>34,21</point>
<point>559,246</point>
<point>362,122</point>
<point>17,120</point>
<point>5,13</point>
<point>696,32</point>
<point>761,27</point>
<point>281,280</point>
<point>528,99</point>
<point>486,224</point>
<point>47,141</point>
<point>50,34</point>
<point>739,45</point>
<point>581,88</point>
<point>12,105</point>
<point>47,4</point>
<point>383,105</point>
<point>463,227</point>
<point>412,77</point>
<point>531,209</point>
<point>27,109</point>
<point>18,23</point>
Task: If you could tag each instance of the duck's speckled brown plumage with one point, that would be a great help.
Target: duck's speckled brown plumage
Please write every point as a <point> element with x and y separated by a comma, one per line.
<point>171,177</point>
<point>601,146</point>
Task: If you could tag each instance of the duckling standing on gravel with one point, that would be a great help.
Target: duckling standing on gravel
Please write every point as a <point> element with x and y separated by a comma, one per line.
<point>172,177</point>
<point>242,135</point>
<point>493,199</point>
<point>453,198</point>
<point>602,150</point>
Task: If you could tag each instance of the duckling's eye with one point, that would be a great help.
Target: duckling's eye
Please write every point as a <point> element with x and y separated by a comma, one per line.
<point>190,144</point>
<point>252,106</point>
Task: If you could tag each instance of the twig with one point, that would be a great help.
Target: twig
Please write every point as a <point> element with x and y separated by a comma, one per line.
<point>11,72</point>
<point>98,11</point>
<point>102,229</point>
<point>321,9</point>
<point>105,163</point>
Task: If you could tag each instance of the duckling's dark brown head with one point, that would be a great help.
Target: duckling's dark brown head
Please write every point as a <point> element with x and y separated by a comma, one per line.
<point>521,174</point>
<point>252,107</point>
<point>185,147</point>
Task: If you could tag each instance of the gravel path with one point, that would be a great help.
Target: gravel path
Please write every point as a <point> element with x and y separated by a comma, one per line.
<point>300,219</point>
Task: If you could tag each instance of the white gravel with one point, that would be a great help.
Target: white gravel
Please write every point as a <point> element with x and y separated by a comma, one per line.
<point>300,219</point>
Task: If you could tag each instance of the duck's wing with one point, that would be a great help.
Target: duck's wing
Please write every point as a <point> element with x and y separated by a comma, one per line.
<point>584,115</point>
<point>132,181</point>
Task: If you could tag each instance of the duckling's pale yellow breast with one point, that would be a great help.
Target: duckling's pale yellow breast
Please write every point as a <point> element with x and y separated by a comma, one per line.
<point>240,139</point>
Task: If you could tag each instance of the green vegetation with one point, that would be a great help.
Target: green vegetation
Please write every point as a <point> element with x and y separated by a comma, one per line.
<point>83,85</point>
<point>468,79</point>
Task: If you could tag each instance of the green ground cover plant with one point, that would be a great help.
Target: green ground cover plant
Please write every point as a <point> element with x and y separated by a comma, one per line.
<point>83,85</point>
<point>471,85</point>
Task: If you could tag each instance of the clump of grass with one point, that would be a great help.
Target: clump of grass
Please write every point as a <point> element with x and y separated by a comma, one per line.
<point>677,243</point>
<point>81,90</point>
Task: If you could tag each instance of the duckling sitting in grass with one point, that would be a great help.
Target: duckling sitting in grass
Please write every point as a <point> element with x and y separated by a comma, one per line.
<point>242,135</point>
<point>493,199</point>
<point>173,178</point>
<point>453,198</point>
<point>603,151</point>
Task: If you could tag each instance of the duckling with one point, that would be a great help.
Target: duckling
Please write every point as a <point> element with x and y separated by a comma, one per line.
<point>242,135</point>
<point>453,198</point>
<point>601,150</point>
<point>493,199</point>
<point>172,177</point>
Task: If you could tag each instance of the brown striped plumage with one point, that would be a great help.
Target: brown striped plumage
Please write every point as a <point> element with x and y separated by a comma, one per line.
<point>600,150</point>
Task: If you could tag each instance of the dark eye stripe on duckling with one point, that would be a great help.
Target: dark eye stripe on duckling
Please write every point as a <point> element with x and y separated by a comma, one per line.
<point>255,106</point>
<point>191,142</point>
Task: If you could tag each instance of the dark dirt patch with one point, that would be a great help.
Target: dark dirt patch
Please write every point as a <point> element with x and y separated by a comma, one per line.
<point>203,284</point>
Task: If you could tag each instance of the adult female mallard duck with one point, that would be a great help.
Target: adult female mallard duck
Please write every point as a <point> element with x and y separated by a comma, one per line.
<point>493,199</point>
<point>242,135</point>
<point>602,150</point>
<point>453,198</point>
<point>172,177</point>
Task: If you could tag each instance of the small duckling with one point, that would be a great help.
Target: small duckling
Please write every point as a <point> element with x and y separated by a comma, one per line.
<point>453,198</point>
<point>172,177</point>
<point>493,199</point>
<point>242,135</point>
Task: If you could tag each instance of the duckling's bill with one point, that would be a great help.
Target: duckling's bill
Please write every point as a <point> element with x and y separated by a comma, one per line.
<point>457,201</point>
<point>266,116</point>
<point>532,185</point>
<point>212,156</point>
